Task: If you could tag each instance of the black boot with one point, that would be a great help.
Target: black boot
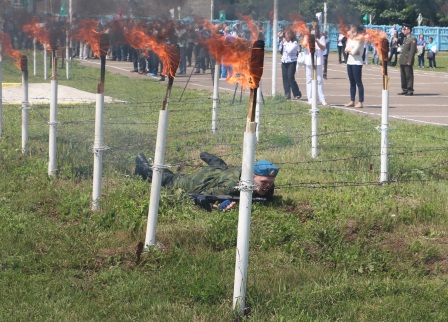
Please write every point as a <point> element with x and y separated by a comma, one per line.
<point>213,160</point>
<point>142,167</point>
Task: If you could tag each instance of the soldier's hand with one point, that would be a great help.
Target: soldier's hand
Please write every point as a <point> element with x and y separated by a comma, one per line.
<point>227,205</point>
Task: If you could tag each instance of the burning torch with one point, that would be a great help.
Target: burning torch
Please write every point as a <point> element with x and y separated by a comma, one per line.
<point>246,184</point>
<point>98,145</point>
<point>171,63</point>
<point>384,52</point>
<point>314,110</point>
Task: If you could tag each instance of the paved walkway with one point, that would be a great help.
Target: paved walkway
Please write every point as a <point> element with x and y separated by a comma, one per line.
<point>429,105</point>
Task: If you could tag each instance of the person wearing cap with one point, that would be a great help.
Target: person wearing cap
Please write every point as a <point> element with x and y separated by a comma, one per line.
<point>215,179</point>
<point>406,61</point>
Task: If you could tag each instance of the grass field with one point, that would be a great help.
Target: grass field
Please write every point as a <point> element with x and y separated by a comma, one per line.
<point>334,244</point>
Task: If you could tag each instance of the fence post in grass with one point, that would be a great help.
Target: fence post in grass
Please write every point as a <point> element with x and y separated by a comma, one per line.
<point>246,182</point>
<point>383,49</point>
<point>25,105</point>
<point>52,137</point>
<point>314,109</point>
<point>314,120</point>
<point>34,57</point>
<point>1,92</point>
<point>215,98</point>
<point>98,145</point>
<point>170,67</point>
<point>45,62</point>
<point>384,135</point>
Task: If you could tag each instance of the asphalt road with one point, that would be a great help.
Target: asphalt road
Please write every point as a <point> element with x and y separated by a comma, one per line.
<point>429,105</point>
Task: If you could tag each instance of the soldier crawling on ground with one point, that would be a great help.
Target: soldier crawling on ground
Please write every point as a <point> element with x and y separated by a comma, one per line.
<point>216,179</point>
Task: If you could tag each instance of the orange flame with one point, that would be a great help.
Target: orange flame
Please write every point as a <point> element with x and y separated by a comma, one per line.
<point>36,29</point>
<point>376,37</point>
<point>300,27</point>
<point>381,43</point>
<point>236,52</point>
<point>343,28</point>
<point>253,28</point>
<point>139,39</point>
<point>88,31</point>
<point>5,42</point>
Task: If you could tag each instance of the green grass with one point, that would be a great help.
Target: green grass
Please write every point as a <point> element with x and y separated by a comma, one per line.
<point>334,245</point>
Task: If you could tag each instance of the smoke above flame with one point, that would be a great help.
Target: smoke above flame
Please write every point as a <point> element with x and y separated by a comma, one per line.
<point>299,26</point>
<point>253,28</point>
<point>379,39</point>
<point>246,61</point>
<point>168,54</point>
<point>48,32</point>
<point>8,50</point>
<point>343,27</point>
<point>36,29</point>
<point>91,32</point>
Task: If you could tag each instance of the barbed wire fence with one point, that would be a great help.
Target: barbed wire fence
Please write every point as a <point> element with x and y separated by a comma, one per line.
<point>130,128</point>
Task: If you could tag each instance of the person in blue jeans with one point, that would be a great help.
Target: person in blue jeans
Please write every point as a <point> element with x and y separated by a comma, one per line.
<point>421,48</point>
<point>432,50</point>
<point>226,70</point>
<point>289,48</point>
<point>354,49</point>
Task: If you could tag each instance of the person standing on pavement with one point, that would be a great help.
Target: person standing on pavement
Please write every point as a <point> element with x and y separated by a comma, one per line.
<point>289,49</point>
<point>342,40</point>
<point>355,49</point>
<point>326,52</point>
<point>432,50</point>
<point>421,49</point>
<point>406,61</point>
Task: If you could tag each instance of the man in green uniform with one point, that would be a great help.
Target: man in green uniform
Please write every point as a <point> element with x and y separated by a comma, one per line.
<point>406,61</point>
<point>216,179</point>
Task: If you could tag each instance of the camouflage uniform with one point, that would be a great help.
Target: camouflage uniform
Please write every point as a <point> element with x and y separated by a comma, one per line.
<point>406,61</point>
<point>216,179</point>
<point>210,180</point>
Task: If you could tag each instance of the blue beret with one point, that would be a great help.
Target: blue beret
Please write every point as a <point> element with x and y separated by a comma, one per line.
<point>265,168</point>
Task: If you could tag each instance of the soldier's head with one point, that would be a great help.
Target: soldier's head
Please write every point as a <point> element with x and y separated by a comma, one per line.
<point>407,28</point>
<point>264,176</point>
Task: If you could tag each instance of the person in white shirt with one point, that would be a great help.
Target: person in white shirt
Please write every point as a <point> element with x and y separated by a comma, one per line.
<point>393,30</point>
<point>355,49</point>
<point>318,61</point>
<point>290,48</point>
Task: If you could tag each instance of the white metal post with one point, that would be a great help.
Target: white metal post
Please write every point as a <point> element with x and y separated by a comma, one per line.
<point>45,62</point>
<point>159,160</point>
<point>53,127</point>
<point>258,111</point>
<point>215,98</point>
<point>67,55</point>
<point>244,218</point>
<point>314,113</point>
<point>384,135</point>
<point>325,18</point>
<point>34,56</point>
<point>274,48</point>
<point>98,147</point>
<point>25,112</point>
<point>1,92</point>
